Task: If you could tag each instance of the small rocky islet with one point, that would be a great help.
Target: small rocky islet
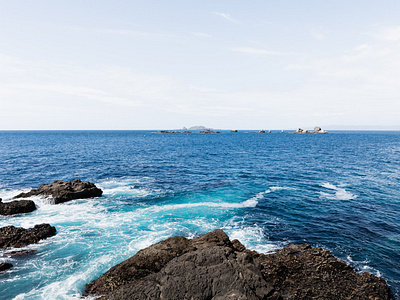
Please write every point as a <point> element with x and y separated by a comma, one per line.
<point>207,267</point>
<point>63,191</point>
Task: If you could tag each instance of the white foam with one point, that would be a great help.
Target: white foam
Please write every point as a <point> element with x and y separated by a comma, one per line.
<point>362,266</point>
<point>7,194</point>
<point>340,192</point>
<point>279,188</point>
<point>252,202</point>
<point>126,186</point>
<point>252,237</point>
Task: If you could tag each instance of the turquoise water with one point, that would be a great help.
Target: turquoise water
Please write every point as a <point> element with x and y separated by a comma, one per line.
<point>338,191</point>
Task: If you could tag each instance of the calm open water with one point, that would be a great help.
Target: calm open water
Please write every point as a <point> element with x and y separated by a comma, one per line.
<point>339,191</point>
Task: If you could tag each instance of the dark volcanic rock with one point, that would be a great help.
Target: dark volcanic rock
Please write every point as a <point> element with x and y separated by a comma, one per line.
<point>17,237</point>
<point>213,267</point>
<point>16,207</point>
<point>21,253</point>
<point>5,266</point>
<point>63,191</point>
<point>305,272</point>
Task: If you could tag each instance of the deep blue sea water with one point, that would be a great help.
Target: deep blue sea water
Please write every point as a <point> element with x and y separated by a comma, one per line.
<point>339,191</point>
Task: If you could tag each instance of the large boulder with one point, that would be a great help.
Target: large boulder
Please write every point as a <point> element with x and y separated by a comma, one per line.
<point>213,267</point>
<point>16,207</point>
<point>17,237</point>
<point>62,191</point>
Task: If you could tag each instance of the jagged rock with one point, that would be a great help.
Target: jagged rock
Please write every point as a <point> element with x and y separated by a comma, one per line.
<point>17,237</point>
<point>213,267</point>
<point>5,266</point>
<point>305,272</point>
<point>16,207</point>
<point>62,191</point>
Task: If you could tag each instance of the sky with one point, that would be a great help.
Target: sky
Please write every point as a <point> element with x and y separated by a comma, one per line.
<point>262,64</point>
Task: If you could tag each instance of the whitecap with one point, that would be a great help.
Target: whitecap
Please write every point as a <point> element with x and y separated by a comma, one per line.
<point>279,188</point>
<point>340,192</point>
<point>126,186</point>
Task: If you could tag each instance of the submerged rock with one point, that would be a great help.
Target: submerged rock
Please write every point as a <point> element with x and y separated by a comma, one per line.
<point>17,237</point>
<point>213,267</point>
<point>16,207</point>
<point>5,266</point>
<point>62,191</point>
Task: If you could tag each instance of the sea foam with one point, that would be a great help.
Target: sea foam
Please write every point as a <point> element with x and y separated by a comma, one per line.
<point>340,192</point>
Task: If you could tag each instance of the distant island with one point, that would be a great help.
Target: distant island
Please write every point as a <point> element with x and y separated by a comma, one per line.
<point>198,128</point>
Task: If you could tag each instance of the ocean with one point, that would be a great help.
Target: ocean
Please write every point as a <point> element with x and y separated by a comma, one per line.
<point>339,191</point>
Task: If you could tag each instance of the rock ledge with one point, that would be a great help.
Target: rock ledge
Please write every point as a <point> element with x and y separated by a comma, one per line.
<point>213,267</point>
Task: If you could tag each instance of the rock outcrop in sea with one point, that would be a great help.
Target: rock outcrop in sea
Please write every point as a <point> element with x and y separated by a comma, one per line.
<point>62,191</point>
<point>18,237</point>
<point>5,266</point>
<point>213,267</point>
<point>16,207</point>
<point>317,129</point>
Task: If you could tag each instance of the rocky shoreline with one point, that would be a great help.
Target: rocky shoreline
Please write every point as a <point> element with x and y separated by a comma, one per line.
<point>59,191</point>
<point>207,267</point>
<point>213,267</point>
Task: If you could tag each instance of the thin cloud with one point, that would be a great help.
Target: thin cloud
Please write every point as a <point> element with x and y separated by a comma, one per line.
<point>225,16</point>
<point>202,34</point>
<point>254,51</point>
<point>122,32</point>
<point>318,34</point>
<point>391,34</point>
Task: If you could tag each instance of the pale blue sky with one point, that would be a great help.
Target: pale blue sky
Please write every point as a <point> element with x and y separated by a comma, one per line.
<point>222,64</point>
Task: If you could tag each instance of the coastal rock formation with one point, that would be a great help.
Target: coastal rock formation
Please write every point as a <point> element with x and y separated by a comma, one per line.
<point>5,266</point>
<point>21,253</point>
<point>213,267</point>
<point>62,191</point>
<point>319,130</point>
<point>17,237</point>
<point>16,207</point>
<point>209,131</point>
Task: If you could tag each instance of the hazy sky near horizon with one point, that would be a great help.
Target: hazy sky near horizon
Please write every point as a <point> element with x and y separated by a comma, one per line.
<point>125,64</point>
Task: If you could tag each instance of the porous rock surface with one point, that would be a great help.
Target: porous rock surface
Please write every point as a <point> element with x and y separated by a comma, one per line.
<point>16,207</point>
<point>62,191</point>
<point>17,237</point>
<point>213,267</point>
